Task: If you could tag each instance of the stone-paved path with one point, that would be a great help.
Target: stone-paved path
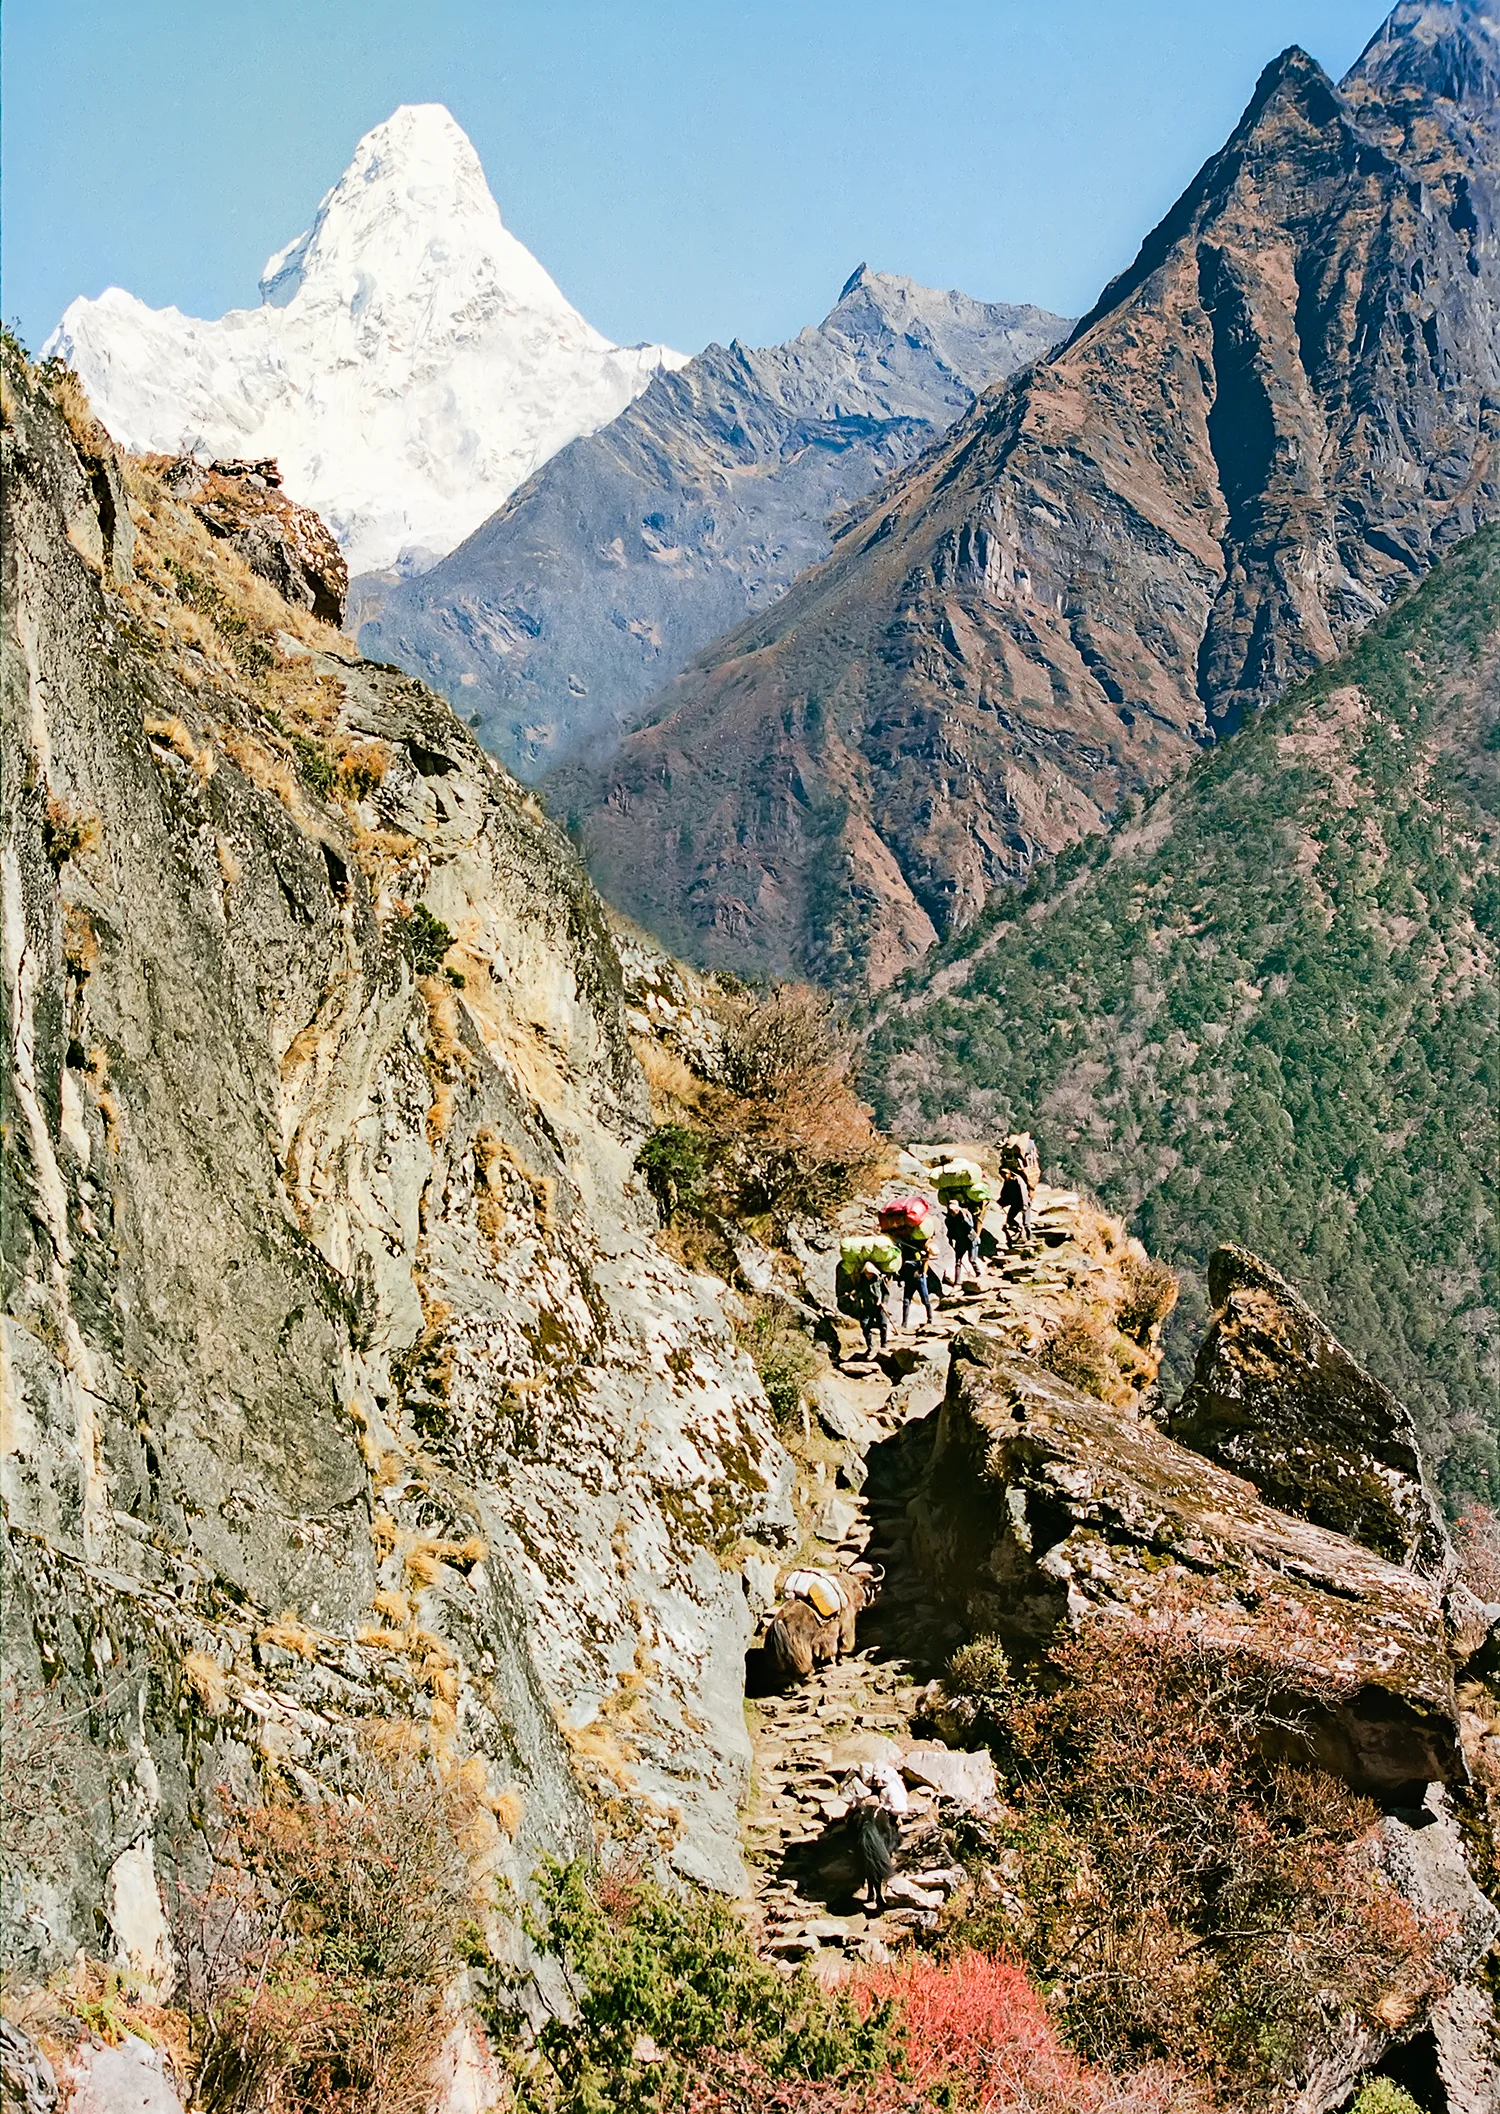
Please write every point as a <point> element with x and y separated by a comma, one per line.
<point>806,1739</point>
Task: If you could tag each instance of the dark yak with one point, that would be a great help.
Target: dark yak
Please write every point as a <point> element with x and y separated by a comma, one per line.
<point>798,1638</point>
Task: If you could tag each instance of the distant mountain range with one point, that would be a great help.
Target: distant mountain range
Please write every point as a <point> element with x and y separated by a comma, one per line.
<point>1268,427</point>
<point>409,365</point>
<point>698,505</point>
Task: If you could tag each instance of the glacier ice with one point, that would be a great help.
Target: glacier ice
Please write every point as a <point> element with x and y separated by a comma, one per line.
<point>410,364</point>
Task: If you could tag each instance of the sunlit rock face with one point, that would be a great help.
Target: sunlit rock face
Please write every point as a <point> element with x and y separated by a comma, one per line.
<point>1276,1398</point>
<point>346,1385</point>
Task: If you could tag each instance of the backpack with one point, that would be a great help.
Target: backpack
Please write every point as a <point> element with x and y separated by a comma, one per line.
<point>962,1179</point>
<point>902,1213</point>
<point>862,1248</point>
<point>817,1588</point>
<point>1018,1155</point>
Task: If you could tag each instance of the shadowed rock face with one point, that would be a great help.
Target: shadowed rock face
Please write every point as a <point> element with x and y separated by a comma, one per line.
<point>1277,1399</point>
<point>699,504</point>
<point>1040,1504</point>
<point>1269,426</point>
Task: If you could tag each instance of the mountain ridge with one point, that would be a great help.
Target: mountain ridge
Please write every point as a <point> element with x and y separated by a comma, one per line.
<point>640,543</point>
<point>1288,407</point>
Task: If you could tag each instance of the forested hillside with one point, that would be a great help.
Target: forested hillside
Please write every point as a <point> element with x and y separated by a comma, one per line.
<point>1265,1009</point>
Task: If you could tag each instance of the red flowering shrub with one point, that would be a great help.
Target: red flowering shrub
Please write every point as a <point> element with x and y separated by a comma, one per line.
<point>975,2030</point>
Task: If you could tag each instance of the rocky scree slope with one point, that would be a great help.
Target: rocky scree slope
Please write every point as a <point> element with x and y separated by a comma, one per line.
<point>1267,1009</point>
<point>698,505</point>
<point>1268,427</point>
<point>346,1385</point>
<point>410,362</point>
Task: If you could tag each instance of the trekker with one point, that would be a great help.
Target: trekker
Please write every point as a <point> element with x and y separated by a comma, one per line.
<point>963,1236</point>
<point>865,1262</point>
<point>869,1307</point>
<point>1020,1176</point>
<point>964,1195</point>
<point>918,1277</point>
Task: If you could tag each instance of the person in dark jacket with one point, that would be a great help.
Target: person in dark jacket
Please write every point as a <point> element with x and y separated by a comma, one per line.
<point>919,1278</point>
<point>963,1236</point>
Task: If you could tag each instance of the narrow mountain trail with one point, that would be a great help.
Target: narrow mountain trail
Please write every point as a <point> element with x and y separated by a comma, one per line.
<point>865,1709</point>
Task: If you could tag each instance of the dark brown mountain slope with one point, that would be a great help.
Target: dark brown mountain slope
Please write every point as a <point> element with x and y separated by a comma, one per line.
<point>1274,420</point>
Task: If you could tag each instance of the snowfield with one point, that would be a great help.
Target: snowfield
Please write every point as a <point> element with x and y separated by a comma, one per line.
<point>410,364</point>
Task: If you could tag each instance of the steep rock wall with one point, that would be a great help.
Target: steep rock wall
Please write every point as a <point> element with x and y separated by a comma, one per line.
<point>327,1275</point>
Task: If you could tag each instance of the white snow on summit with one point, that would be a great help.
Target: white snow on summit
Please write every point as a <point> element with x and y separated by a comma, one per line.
<point>410,365</point>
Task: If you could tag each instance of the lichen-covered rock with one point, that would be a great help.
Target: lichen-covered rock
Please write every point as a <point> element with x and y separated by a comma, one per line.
<point>345,1379</point>
<point>1040,1503</point>
<point>1276,1398</point>
<point>288,545</point>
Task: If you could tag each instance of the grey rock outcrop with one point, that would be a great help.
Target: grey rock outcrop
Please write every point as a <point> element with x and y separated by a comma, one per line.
<point>1276,1398</point>
<point>1040,1503</point>
<point>638,544</point>
<point>345,1380</point>
<point>288,545</point>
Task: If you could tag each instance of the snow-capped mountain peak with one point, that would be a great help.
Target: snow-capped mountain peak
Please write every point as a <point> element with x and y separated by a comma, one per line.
<point>410,363</point>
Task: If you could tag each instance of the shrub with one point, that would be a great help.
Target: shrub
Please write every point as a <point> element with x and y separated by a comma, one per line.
<point>788,1033</point>
<point>428,938</point>
<point>795,1135</point>
<point>672,2000</point>
<point>1152,1290</point>
<point>1382,2096</point>
<point>782,1356</point>
<point>1078,1351</point>
<point>677,1160</point>
<point>318,1958</point>
<point>975,2034</point>
<point>1184,1896</point>
<point>318,770</point>
<point>67,831</point>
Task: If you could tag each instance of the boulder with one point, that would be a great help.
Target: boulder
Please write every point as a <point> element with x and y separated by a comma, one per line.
<point>837,1516</point>
<point>909,1895</point>
<point>1276,1398</point>
<point>968,1779</point>
<point>131,2078</point>
<point>1039,1503</point>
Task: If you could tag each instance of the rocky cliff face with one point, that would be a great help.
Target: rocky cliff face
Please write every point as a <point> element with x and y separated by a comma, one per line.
<point>1039,1508</point>
<point>634,547</point>
<point>345,1383</point>
<point>1263,432</point>
<point>1276,1398</point>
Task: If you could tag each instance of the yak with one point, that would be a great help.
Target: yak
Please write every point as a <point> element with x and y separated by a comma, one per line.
<point>798,1638</point>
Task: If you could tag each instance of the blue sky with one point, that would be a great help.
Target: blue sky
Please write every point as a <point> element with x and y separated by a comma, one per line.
<point>685,169</point>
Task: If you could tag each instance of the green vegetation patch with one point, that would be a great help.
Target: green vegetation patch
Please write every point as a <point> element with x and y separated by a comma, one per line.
<point>1265,1010</point>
